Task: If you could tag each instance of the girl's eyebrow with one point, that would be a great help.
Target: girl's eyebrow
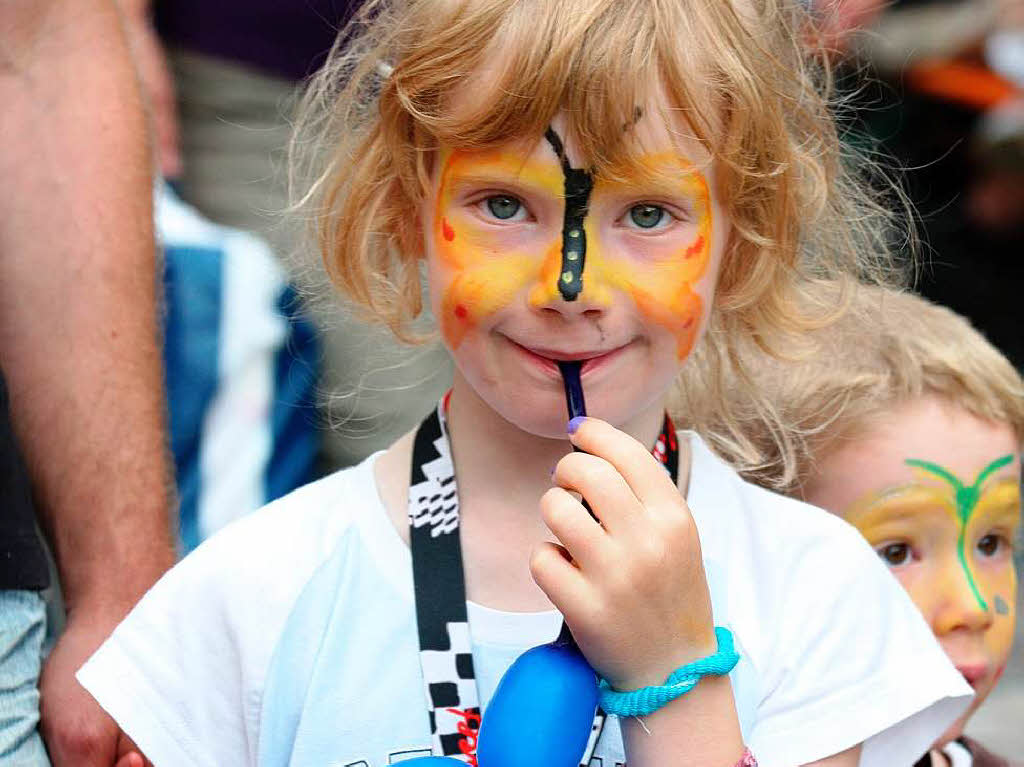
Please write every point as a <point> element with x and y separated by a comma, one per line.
<point>1002,500</point>
<point>996,515</point>
<point>529,173</point>
<point>648,173</point>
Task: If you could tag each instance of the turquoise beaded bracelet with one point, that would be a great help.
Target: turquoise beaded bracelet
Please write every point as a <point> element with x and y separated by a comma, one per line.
<point>647,700</point>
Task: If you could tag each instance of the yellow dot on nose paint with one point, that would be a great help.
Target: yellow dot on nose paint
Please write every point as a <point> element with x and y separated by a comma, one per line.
<point>572,255</point>
<point>567,277</point>
<point>574,233</point>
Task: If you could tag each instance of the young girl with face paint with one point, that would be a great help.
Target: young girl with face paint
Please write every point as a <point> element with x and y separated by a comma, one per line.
<point>910,428</point>
<point>581,181</point>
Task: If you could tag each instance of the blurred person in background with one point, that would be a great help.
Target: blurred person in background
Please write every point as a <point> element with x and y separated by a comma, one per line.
<point>223,79</point>
<point>79,351</point>
<point>939,86</point>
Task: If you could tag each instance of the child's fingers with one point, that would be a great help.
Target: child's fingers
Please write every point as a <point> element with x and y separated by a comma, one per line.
<point>553,571</point>
<point>604,488</point>
<point>577,531</point>
<point>647,478</point>
<point>128,754</point>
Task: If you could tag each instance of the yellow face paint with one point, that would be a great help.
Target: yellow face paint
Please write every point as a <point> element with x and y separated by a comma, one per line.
<point>959,568</point>
<point>490,266</point>
<point>662,283</point>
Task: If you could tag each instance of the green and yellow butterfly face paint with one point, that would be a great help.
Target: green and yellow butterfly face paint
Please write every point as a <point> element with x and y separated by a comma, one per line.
<point>965,501</point>
<point>949,541</point>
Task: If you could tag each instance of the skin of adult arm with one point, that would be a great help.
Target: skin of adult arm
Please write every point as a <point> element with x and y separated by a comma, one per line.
<point>78,332</point>
<point>157,84</point>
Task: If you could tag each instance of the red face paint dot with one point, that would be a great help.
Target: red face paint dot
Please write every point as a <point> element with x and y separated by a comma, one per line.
<point>460,312</point>
<point>688,324</point>
<point>446,230</point>
<point>695,248</point>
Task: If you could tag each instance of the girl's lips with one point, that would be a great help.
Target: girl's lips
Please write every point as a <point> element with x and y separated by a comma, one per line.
<point>973,672</point>
<point>548,358</point>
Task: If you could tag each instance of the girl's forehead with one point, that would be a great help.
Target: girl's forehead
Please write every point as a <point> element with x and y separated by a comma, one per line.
<point>655,130</point>
<point>654,135</point>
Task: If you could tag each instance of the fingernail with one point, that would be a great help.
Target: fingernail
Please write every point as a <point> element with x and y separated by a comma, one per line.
<point>575,423</point>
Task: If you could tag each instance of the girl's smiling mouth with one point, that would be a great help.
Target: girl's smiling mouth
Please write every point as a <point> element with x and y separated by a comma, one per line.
<point>547,359</point>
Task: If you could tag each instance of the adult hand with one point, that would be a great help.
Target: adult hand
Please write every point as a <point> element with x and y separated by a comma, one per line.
<point>78,733</point>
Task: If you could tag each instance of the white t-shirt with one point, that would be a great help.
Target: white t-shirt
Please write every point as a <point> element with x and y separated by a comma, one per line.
<point>290,638</point>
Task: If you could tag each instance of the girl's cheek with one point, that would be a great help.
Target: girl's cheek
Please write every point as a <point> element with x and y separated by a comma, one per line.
<point>663,276</point>
<point>481,271</point>
<point>920,588</point>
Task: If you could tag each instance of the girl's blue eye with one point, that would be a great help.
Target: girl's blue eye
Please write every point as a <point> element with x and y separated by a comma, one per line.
<point>894,554</point>
<point>647,216</point>
<point>503,206</point>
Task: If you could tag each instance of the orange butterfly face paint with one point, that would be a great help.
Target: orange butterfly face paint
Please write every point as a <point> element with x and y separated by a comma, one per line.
<point>488,264</point>
<point>658,273</point>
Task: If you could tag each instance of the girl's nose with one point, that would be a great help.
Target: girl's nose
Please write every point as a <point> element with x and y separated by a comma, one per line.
<point>959,605</point>
<point>592,297</point>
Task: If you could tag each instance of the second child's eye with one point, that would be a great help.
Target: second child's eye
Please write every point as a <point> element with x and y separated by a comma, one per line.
<point>647,216</point>
<point>989,545</point>
<point>894,554</point>
<point>505,207</point>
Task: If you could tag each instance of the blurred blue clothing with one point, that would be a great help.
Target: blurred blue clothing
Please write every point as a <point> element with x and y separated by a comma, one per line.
<point>22,628</point>
<point>241,369</point>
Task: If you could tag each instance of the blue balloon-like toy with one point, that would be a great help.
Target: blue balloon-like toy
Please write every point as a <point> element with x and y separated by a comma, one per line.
<point>542,710</point>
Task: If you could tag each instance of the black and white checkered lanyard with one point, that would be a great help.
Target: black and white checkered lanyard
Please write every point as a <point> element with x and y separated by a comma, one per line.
<point>446,657</point>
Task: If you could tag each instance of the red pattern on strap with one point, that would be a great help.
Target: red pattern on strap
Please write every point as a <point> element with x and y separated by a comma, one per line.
<point>747,760</point>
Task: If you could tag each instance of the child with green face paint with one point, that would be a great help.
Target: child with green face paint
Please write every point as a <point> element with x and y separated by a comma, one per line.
<point>911,430</point>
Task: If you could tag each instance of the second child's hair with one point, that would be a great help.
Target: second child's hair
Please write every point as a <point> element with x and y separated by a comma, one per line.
<point>739,73</point>
<point>889,348</point>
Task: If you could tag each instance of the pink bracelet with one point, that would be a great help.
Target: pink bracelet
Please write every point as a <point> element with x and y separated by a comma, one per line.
<point>747,760</point>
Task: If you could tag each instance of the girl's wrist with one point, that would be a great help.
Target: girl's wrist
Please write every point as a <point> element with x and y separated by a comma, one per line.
<point>656,673</point>
<point>647,699</point>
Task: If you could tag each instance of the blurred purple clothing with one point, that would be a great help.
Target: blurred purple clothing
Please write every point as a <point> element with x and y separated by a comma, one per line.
<point>286,38</point>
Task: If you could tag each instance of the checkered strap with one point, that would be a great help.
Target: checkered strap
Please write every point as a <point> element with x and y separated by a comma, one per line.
<point>446,657</point>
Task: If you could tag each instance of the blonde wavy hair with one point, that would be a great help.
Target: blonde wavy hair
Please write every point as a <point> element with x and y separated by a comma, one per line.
<point>741,73</point>
<point>888,348</point>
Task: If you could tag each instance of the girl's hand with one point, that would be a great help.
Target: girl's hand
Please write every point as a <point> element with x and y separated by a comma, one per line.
<point>632,588</point>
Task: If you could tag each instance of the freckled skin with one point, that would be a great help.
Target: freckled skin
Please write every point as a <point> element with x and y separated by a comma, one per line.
<point>488,272</point>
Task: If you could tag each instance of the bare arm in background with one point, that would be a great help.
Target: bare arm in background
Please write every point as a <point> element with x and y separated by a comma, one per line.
<point>78,332</point>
